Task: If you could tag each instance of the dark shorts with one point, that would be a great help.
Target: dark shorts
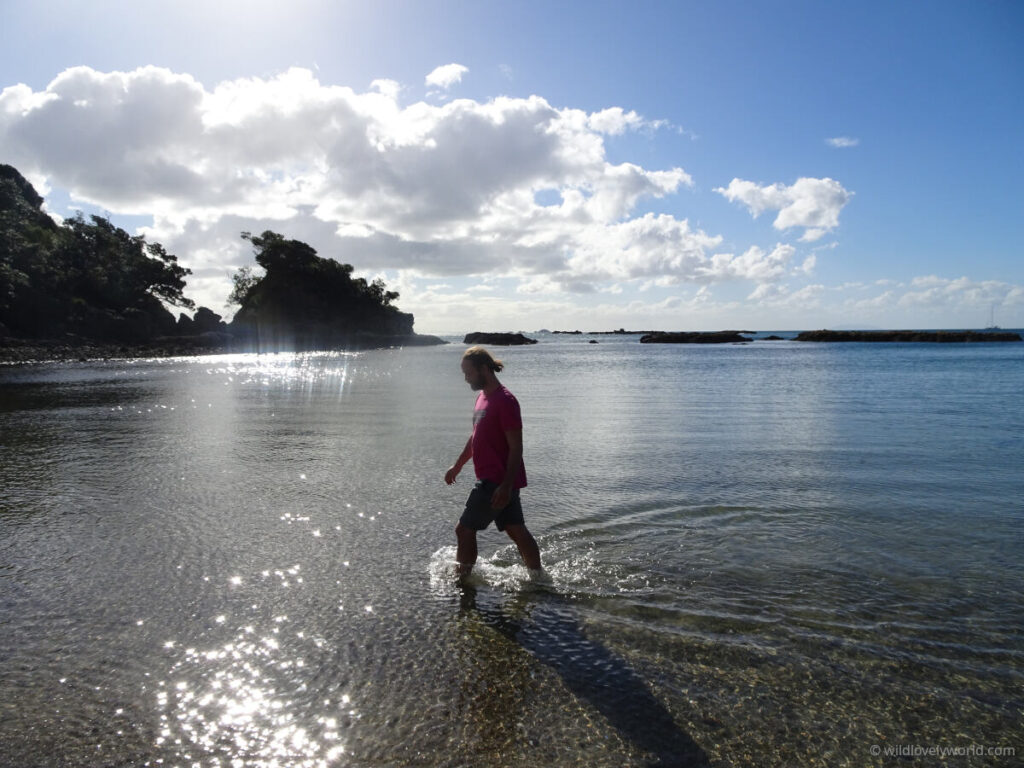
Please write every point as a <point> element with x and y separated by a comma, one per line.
<point>478,513</point>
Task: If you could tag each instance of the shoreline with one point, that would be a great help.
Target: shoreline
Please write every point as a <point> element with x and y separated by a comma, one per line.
<point>908,336</point>
<point>75,349</point>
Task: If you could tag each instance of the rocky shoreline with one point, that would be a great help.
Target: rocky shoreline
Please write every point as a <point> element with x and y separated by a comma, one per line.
<point>79,349</point>
<point>695,337</point>
<point>905,336</point>
<point>497,339</point>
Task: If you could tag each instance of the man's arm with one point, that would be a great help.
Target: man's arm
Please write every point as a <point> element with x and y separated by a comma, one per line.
<point>465,456</point>
<point>515,461</point>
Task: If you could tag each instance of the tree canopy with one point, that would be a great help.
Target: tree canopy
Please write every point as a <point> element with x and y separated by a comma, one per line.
<point>310,300</point>
<point>85,276</point>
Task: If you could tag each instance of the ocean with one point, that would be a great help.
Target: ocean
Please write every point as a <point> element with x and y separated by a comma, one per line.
<point>770,554</point>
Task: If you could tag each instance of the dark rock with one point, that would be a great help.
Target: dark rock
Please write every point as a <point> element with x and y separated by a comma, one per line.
<point>695,337</point>
<point>185,326</point>
<point>592,341</point>
<point>905,336</point>
<point>498,339</point>
<point>133,325</point>
<point>162,321</point>
<point>620,332</point>
<point>206,320</point>
<point>773,338</point>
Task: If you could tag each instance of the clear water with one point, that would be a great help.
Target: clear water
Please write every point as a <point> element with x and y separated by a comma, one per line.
<point>768,554</point>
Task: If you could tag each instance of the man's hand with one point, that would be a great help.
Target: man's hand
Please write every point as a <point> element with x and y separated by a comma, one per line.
<point>465,456</point>
<point>500,497</point>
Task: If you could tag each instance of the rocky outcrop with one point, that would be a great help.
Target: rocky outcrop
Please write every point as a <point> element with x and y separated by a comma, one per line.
<point>904,336</point>
<point>306,302</point>
<point>498,339</point>
<point>206,320</point>
<point>694,337</point>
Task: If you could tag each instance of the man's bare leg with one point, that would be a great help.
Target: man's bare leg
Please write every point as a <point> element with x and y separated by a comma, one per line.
<point>528,548</point>
<point>465,554</point>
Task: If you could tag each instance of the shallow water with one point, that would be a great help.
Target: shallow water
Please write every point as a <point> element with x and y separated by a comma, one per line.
<point>770,554</point>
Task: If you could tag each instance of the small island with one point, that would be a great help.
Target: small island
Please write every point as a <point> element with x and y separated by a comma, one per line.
<point>906,336</point>
<point>695,337</point>
<point>498,339</point>
<point>307,302</point>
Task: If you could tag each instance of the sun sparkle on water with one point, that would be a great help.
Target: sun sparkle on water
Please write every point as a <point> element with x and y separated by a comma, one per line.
<point>236,701</point>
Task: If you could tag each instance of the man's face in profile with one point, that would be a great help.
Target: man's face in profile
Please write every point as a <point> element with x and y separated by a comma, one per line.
<point>474,376</point>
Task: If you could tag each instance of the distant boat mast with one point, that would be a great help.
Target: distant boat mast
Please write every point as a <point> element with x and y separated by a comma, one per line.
<point>992,320</point>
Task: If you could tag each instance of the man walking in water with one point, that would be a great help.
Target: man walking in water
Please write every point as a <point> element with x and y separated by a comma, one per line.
<point>496,448</point>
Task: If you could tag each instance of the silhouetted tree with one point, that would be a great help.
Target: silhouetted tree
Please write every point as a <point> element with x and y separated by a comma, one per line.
<point>244,280</point>
<point>87,276</point>
<point>306,300</point>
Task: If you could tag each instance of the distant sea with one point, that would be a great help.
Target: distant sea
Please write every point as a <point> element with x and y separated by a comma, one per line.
<point>771,554</point>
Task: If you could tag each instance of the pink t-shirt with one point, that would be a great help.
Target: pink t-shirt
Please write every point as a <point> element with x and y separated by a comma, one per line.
<point>493,415</point>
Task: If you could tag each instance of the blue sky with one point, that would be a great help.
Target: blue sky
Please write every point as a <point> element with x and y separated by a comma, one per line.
<point>561,165</point>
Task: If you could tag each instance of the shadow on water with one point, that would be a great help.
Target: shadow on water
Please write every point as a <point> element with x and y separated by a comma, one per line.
<point>544,625</point>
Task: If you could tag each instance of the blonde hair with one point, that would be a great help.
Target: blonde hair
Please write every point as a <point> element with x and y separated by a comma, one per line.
<point>480,356</point>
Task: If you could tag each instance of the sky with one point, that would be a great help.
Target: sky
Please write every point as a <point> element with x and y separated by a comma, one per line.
<point>570,165</point>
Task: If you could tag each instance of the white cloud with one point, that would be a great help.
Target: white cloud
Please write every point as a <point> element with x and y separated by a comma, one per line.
<point>813,204</point>
<point>842,142</point>
<point>929,302</point>
<point>446,76</point>
<point>805,298</point>
<point>869,307</point>
<point>614,121</point>
<point>961,293</point>
<point>539,284</point>
<point>767,292</point>
<point>753,264</point>
<point>438,191</point>
<point>389,88</point>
